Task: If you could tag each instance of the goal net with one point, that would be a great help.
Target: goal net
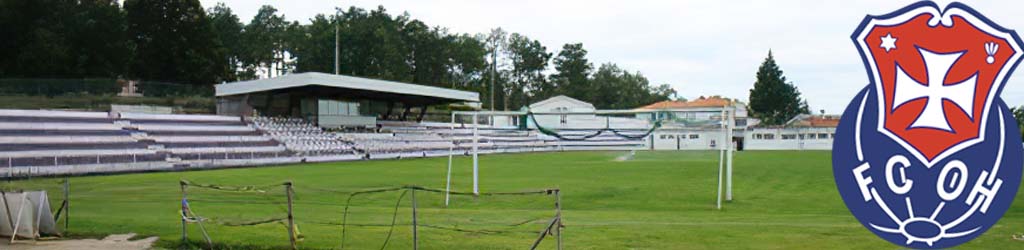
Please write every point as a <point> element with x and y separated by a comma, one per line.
<point>481,132</point>
<point>412,217</point>
<point>217,215</point>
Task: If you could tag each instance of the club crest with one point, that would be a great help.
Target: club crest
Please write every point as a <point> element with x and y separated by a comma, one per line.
<point>928,155</point>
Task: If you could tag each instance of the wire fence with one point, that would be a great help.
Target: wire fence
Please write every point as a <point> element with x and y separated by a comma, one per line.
<point>404,217</point>
<point>99,86</point>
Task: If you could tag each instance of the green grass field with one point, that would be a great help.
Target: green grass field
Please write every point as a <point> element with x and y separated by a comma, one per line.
<point>659,200</point>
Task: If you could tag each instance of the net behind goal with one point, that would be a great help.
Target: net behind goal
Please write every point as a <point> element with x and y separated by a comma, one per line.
<point>618,130</point>
<point>411,217</point>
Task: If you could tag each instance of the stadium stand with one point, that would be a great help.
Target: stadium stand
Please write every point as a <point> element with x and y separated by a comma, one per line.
<point>37,142</point>
<point>203,137</point>
<point>303,137</point>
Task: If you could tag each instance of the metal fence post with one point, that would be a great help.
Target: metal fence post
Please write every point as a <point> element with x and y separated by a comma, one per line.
<point>184,231</point>
<point>415,236</point>
<point>67,204</point>
<point>291,219</point>
<point>558,213</point>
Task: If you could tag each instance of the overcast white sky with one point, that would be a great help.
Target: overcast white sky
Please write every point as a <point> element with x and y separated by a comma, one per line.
<point>699,47</point>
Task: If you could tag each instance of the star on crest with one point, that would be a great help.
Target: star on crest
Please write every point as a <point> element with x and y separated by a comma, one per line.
<point>888,42</point>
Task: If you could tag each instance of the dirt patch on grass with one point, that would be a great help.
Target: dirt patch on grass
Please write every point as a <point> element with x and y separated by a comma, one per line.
<point>116,241</point>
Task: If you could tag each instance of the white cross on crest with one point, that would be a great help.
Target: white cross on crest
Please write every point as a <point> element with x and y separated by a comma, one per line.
<point>935,90</point>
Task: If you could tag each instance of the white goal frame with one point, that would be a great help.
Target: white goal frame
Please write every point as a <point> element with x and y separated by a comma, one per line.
<point>725,160</point>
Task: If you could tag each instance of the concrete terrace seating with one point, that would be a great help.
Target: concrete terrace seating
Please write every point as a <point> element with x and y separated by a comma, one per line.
<point>204,137</point>
<point>30,138</point>
<point>302,137</point>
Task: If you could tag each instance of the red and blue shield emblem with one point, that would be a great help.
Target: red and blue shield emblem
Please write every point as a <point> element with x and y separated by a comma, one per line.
<point>937,74</point>
<point>928,155</point>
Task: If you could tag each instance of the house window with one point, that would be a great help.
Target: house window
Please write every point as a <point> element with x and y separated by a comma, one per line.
<point>822,136</point>
<point>788,137</point>
<point>811,136</point>
<point>563,119</point>
<point>758,137</point>
<point>769,136</point>
<point>833,135</point>
<point>694,136</point>
<point>662,137</point>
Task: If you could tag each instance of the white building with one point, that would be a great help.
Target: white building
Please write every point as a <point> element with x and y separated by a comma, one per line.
<point>696,124</point>
<point>567,113</point>
<point>804,132</point>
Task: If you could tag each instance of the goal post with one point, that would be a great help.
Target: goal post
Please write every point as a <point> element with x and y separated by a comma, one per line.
<point>629,124</point>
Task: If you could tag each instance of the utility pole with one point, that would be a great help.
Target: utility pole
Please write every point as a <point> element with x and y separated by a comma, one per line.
<point>337,49</point>
<point>494,68</point>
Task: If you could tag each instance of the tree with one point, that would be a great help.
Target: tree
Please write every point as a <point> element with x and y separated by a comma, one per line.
<point>53,38</point>
<point>615,88</point>
<point>229,34</point>
<point>529,59</point>
<point>496,41</point>
<point>174,41</point>
<point>469,56</point>
<point>428,53</point>
<point>571,71</point>
<point>314,52</point>
<point>1018,114</point>
<point>773,100</point>
<point>267,39</point>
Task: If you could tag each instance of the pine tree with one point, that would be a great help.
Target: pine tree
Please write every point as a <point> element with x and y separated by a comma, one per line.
<point>773,100</point>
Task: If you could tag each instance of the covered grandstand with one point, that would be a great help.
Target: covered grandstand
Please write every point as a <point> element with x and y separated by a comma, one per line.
<point>332,101</point>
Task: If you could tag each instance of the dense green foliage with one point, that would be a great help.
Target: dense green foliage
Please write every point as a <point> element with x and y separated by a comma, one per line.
<point>101,103</point>
<point>659,200</point>
<point>179,41</point>
<point>174,41</point>
<point>1018,114</point>
<point>63,39</point>
<point>56,87</point>
<point>773,99</point>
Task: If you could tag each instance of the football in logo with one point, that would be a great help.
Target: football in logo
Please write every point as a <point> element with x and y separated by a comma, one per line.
<point>927,155</point>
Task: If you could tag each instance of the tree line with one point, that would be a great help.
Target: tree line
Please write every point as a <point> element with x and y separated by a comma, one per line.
<point>180,41</point>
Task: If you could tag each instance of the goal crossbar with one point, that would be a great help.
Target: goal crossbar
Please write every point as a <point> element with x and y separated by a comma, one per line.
<point>725,153</point>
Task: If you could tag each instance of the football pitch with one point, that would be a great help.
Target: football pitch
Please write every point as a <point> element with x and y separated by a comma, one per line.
<point>658,200</point>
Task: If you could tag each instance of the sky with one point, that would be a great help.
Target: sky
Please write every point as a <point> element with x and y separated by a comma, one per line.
<point>701,48</point>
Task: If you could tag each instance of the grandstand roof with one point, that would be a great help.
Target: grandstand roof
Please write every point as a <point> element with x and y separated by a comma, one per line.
<point>349,86</point>
<point>702,102</point>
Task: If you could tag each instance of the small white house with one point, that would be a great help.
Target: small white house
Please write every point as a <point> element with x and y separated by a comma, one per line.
<point>576,114</point>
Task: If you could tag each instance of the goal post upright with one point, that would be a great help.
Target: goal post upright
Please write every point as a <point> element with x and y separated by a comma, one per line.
<point>730,147</point>
<point>451,150</point>
<point>476,155</point>
<point>721,160</point>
